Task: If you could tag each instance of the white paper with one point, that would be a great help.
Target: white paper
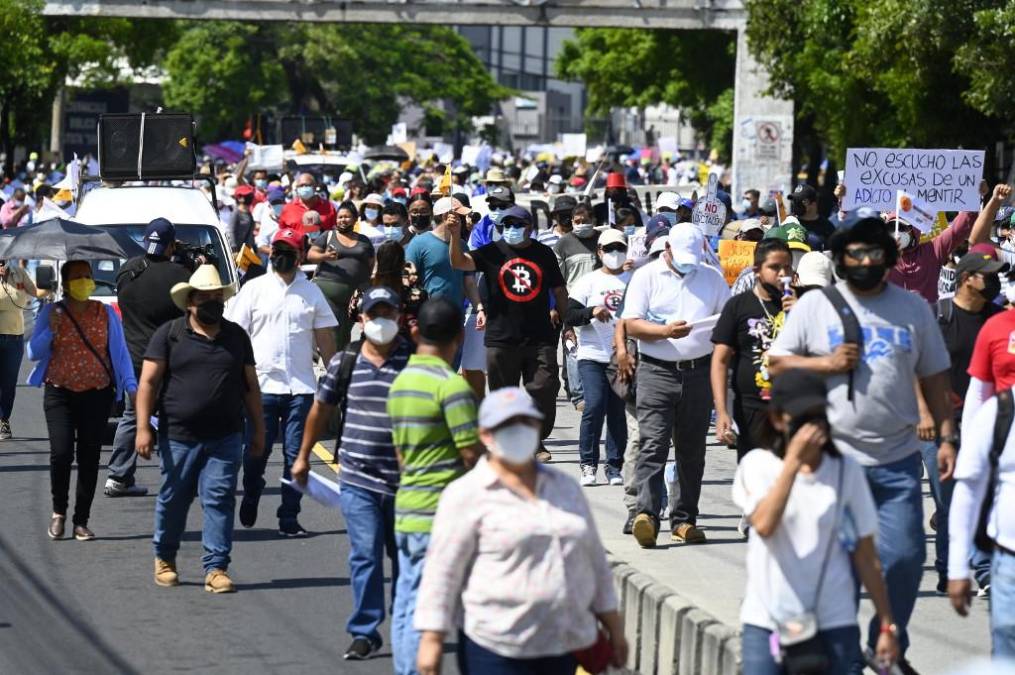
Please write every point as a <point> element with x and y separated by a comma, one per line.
<point>318,488</point>
<point>707,323</point>
<point>445,152</point>
<point>399,133</point>
<point>574,145</point>
<point>267,157</point>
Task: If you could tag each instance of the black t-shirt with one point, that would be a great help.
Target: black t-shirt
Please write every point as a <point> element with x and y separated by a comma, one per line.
<point>142,292</point>
<point>242,229</point>
<point>960,331</point>
<point>517,283</point>
<point>745,327</point>
<point>204,383</point>
<point>818,232</point>
<point>355,263</point>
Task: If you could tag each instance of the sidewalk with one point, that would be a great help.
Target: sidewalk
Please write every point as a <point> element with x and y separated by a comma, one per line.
<point>711,578</point>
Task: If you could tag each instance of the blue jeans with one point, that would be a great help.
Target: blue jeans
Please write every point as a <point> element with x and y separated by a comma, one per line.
<point>842,646</point>
<point>942,494</point>
<point>601,404</point>
<point>208,469</point>
<point>575,388</point>
<point>404,638</point>
<point>476,660</point>
<point>12,349</point>
<point>370,522</point>
<point>285,412</point>
<point>1002,606</point>
<point>123,460</point>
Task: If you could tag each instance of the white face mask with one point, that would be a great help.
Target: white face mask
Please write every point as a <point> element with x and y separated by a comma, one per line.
<point>515,443</point>
<point>614,260</point>
<point>581,228</point>
<point>904,239</point>
<point>683,269</point>
<point>380,331</point>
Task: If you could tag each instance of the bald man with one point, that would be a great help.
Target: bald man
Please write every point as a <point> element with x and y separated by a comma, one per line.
<point>306,198</point>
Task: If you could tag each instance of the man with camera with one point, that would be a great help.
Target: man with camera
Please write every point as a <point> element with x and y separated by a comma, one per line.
<point>142,290</point>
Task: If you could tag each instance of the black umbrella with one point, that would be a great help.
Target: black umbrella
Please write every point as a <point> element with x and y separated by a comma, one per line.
<point>619,149</point>
<point>392,152</point>
<point>60,239</point>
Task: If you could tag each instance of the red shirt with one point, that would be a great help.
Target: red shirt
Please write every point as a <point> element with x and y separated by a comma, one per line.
<point>292,215</point>
<point>919,267</point>
<point>994,354</point>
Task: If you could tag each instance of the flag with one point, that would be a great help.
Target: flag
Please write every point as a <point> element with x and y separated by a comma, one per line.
<point>299,147</point>
<point>914,211</point>
<point>445,185</point>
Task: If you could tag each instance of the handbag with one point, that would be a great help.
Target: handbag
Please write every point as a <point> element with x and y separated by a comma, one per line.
<point>597,657</point>
<point>795,643</point>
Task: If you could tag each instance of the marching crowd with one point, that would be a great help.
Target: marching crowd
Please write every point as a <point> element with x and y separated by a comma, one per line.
<point>856,355</point>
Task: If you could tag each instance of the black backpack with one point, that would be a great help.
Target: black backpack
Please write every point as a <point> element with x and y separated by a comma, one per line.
<point>945,310</point>
<point>1002,427</point>
<point>347,362</point>
<point>851,333</point>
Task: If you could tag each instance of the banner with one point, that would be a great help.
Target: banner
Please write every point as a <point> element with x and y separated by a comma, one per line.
<point>709,214</point>
<point>734,257</point>
<point>943,180</point>
<point>399,133</point>
<point>915,212</point>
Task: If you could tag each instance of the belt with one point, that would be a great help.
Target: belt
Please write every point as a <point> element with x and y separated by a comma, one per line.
<point>1002,549</point>
<point>691,364</point>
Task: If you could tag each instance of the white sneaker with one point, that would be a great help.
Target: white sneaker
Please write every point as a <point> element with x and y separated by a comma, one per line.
<point>613,476</point>
<point>588,475</point>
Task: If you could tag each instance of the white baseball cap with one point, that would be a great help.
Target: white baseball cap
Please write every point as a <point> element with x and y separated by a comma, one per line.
<point>668,200</point>
<point>445,204</point>
<point>814,269</point>
<point>686,244</point>
<point>374,198</point>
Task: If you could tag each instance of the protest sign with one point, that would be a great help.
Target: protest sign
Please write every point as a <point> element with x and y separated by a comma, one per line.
<point>914,212</point>
<point>709,214</point>
<point>574,145</point>
<point>470,153</point>
<point>944,180</point>
<point>399,133</point>
<point>267,157</point>
<point>734,256</point>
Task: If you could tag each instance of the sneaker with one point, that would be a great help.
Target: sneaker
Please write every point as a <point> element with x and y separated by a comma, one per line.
<point>165,573</point>
<point>629,523</point>
<point>217,581</point>
<point>588,475</point>
<point>5,430</point>
<point>687,533</point>
<point>82,533</point>
<point>56,527</point>
<point>984,591</point>
<point>543,455</point>
<point>248,511</point>
<point>361,649</point>
<point>115,488</point>
<point>645,529</point>
<point>613,476</point>
<point>291,529</point>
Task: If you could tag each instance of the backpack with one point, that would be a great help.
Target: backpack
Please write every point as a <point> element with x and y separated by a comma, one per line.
<point>851,333</point>
<point>945,310</point>
<point>1002,427</point>
<point>347,362</point>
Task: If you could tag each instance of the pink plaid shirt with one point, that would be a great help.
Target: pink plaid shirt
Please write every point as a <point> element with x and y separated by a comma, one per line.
<point>524,579</point>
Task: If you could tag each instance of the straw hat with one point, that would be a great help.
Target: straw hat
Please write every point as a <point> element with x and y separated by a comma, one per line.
<point>205,278</point>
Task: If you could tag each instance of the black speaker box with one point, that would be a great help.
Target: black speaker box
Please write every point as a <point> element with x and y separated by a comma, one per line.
<point>143,146</point>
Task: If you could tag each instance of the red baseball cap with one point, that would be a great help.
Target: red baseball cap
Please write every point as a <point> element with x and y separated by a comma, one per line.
<point>418,190</point>
<point>984,249</point>
<point>288,236</point>
<point>398,192</point>
<point>616,179</point>
<point>243,191</point>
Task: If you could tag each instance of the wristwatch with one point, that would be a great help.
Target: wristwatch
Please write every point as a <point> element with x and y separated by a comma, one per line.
<point>952,438</point>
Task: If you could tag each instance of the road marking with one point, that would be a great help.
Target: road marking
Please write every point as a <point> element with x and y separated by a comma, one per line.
<point>326,456</point>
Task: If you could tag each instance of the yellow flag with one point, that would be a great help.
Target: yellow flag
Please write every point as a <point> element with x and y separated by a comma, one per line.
<point>299,147</point>
<point>445,185</point>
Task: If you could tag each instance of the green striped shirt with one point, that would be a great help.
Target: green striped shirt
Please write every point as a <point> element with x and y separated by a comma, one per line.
<point>433,416</point>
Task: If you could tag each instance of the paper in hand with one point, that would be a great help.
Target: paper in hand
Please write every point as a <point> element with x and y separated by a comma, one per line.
<point>318,488</point>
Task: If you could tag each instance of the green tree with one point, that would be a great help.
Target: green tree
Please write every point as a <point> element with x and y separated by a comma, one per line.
<point>690,70</point>
<point>984,60</point>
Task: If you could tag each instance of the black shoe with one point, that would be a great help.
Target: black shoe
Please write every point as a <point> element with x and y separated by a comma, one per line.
<point>905,667</point>
<point>629,523</point>
<point>361,649</point>
<point>942,585</point>
<point>248,511</point>
<point>290,529</point>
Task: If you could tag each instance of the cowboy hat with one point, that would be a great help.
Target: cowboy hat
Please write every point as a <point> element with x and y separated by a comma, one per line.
<point>205,278</point>
<point>495,175</point>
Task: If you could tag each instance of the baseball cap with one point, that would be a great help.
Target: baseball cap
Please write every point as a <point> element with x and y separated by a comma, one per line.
<point>462,198</point>
<point>798,391</point>
<point>687,203</point>
<point>769,208</point>
<point>564,203</point>
<point>276,195</point>
<point>657,226</point>
<point>460,169</point>
<point>501,193</point>
<point>985,248</point>
<point>398,192</point>
<point>791,232</point>
<point>378,295</point>
<point>615,179</point>
<point>439,320</point>
<point>814,269</point>
<point>419,190</point>
<point>975,261</point>
<point>500,405</point>
<point>804,191</point>
<point>750,224</point>
<point>1004,214</point>
<point>288,236</point>
<point>658,246</point>
<point>446,204</point>
<point>686,242</point>
<point>374,198</point>
<point>612,236</point>
<point>518,213</point>
<point>668,200</point>
<point>158,235</point>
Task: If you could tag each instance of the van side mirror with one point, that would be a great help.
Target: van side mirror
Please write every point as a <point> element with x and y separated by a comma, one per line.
<point>45,278</point>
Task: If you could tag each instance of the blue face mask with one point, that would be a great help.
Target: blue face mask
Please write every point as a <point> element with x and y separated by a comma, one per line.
<point>260,183</point>
<point>393,232</point>
<point>401,200</point>
<point>305,192</point>
<point>370,214</point>
<point>670,216</point>
<point>514,235</point>
<point>683,269</point>
<point>277,209</point>
<point>629,230</point>
<point>495,215</point>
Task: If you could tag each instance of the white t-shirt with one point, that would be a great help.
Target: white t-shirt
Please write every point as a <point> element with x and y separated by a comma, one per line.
<point>783,569</point>
<point>595,339</point>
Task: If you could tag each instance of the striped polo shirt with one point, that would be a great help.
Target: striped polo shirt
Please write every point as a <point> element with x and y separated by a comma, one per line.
<point>433,416</point>
<point>366,453</point>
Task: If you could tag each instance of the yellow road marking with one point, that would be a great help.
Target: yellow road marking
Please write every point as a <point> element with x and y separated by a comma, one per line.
<point>325,456</point>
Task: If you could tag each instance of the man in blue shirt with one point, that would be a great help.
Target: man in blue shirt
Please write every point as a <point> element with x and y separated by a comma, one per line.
<point>429,253</point>
<point>499,198</point>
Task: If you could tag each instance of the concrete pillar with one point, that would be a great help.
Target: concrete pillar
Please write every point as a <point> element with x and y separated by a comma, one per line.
<point>762,129</point>
<point>56,126</point>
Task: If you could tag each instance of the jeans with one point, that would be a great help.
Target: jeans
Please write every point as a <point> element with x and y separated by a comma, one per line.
<point>631,458</point>
<point>672,405</point>
<point>601,404</point>
<point>404,638</point>
<point>842,646</point>
<point>942,494</point>
<point>209,470</point>
<point>476,660</point>
<point>370,522</point>
<point>288,413</point>
<point>575,388</point>
<point>123,461</point>
<point>75,418</point>
<point>1002,605</point>
<point>536,367</point>
<point>12,349</point>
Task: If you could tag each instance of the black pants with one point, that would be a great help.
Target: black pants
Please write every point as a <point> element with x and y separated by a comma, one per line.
<point>750,421</point>
<point>75,417</point>
<point>535,367</point>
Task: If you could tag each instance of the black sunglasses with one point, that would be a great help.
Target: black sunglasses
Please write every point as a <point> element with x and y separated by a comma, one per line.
<point>613,248</point>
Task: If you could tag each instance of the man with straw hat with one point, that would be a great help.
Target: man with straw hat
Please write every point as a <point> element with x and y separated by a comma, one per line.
<point>198,376</point>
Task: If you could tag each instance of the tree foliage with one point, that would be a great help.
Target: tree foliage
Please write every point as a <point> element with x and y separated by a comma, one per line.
<point>985,61</point>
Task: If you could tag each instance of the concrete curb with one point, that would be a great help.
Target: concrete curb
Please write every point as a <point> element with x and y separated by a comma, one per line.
<point>666,634</point>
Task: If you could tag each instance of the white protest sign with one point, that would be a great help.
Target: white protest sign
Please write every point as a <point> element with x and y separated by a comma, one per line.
<point>593,154</point>
<point>445,152</point>
<point>915,212</point>
<point>944,180</point>
<point>470,153</point>
<point>574,145</point>
<point>267,157</point>
<point>399,133</point>
<point>709,214</point>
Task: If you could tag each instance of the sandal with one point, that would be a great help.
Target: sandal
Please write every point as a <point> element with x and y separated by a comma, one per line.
<point>56,526</point>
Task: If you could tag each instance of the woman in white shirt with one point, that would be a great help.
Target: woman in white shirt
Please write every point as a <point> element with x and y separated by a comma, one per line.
<point>813,522</point>
<point>593,307</point>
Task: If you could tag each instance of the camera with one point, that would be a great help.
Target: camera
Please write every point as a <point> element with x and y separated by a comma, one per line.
<point>192,257</point>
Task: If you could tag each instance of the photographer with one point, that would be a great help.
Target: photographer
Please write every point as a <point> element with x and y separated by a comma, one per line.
<point>142,289</point>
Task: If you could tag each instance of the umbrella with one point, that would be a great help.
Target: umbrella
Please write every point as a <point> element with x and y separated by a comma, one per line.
<point>392,152</point>
<point>619,149</point>
<point>61,239</point>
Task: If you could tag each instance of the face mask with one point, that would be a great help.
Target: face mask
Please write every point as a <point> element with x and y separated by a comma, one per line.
<point>683,269</point>
<point>277,209</point>
<point>370,214</point>
<point>18,204</point>
<point>798,208</point>
<point>401,200</point>
<point>81,289</point>
<point>515,443</point>
<point>863,277</point>
<point>614,260</point>
<point>380,331</point>
<point>260,183</point>
<point>514,235</point>
<point>283,263</point>
<point>904,239</point>
<point>670,216</point>
<point>746,204</point>
<point>1009,292</point>
<point>210,312</point>
<point>393,232</point>
<point>582,228</point>
<point>629,230</point>
<point>420,223</point>
<point>774,292</point>
<point>991,287</point>
<point>305,192</point>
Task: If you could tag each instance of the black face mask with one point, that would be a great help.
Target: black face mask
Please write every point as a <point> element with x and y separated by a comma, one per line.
<point>283,263</point>
<point>210,312</point>
<point>991,287</point>
<point>798,208</point>
<point>420,223</point>
<point>774,292</point>
<point>863,277</point>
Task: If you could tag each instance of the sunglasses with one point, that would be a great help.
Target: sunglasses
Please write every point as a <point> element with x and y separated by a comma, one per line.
<point>614,248</point>
<point>873,253</point>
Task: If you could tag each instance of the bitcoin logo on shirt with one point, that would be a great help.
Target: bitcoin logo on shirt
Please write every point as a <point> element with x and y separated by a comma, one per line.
<point>520,280</point>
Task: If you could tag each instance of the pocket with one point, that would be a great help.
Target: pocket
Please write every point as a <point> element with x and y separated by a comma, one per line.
<point>300,316</point>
